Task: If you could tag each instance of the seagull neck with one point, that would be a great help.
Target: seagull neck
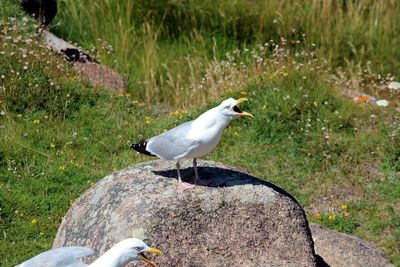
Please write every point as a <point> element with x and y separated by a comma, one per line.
<point>212,118</point>
<point>112,258</point>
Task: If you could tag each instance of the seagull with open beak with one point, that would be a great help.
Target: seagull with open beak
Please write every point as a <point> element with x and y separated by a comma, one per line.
<point>122,253</point>
<point>193,139</point>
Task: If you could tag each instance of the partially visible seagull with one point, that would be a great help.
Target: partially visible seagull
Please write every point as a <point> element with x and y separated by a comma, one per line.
<point>193,139</point>
<point>119,255</point>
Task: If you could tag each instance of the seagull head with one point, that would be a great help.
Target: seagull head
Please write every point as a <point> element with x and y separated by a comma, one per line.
<point>230,109</point>
<point>135,249</point>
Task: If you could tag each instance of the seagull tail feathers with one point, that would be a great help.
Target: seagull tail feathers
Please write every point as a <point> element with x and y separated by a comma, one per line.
<point>141,148</point>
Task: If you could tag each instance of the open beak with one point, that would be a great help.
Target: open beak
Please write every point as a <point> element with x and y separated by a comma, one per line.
<point>146,259</point>
<point>239,111</point>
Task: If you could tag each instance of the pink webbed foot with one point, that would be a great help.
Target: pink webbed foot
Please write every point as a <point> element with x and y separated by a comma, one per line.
<point>185,186</point>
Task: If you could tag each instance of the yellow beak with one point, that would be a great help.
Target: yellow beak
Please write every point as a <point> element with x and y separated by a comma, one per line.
<point>147,260</point>
<point>243,113</point>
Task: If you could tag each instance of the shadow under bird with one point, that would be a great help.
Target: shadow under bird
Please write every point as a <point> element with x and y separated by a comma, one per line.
<point>193,139</point>
<point>119,255</point>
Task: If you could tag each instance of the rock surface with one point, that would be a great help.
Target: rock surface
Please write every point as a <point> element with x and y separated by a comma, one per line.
<point>234,220</point>
<point>338,249</point>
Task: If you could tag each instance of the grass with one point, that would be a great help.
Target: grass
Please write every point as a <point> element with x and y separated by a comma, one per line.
<point>157,40</point>
<point>341,160</point>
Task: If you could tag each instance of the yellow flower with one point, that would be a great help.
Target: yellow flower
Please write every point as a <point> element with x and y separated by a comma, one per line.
<point>317,214</point>
<point>315,104</point>
<point>61,168</point>
<point>285,74</point>
<point>243,93</point>
<point>52,145</point>
<point>343,206</point>
<point>19,115</point>
<point>264,107</point>
<point>114,169</point>
<point>332,217</point>
<point>148,120</point>
<point>36,122</point>
<point>34,221</point>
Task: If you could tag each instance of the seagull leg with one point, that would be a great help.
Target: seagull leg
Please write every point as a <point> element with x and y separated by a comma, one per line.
<point>196,174</point>
<point>182,185</point>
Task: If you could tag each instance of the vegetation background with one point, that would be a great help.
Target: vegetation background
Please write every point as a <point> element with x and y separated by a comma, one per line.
<point>292,59</point>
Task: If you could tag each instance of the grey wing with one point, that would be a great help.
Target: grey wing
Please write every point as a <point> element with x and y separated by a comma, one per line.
<point>173,144</point>
<point>64,256</point>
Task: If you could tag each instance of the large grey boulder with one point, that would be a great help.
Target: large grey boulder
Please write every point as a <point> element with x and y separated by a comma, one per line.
<point>235,220</point>
<point>339,249</point>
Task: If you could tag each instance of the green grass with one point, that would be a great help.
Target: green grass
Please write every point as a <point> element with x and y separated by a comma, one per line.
<point>59,135</point>
<point>156,40</point>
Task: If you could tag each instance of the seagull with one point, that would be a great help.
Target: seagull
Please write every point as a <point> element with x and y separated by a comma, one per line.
<point>193,139</point>
<point>119,255</point>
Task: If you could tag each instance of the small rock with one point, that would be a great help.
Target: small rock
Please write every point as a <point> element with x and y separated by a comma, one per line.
<point>394,86</point>
<point>382,103</point>
<point>337,249</point>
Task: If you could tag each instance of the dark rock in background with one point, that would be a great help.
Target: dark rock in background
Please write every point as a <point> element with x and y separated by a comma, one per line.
<point>235,220</point>
<point>42,10</point>
<point>88,68</point>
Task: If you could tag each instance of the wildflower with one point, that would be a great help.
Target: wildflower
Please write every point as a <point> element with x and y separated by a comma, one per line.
<point>114,169</point>
<point>19,116</point>
<point>34,221</point>
<point>264,107</point>
<point>382,103</point>
<point>346,214</point>
<point>362,99</point>
<point>52,145</point>
<point>315,104</point>
<point>2,113</point>
<point>317,214</point>
<point>343,206</point>
<point>243,93</point>
<point>61,168</point>
<point>394,86</point>
<point>147,120</point>
<point>332,218</point>
<point>36,122</point>
<point>285,74</point>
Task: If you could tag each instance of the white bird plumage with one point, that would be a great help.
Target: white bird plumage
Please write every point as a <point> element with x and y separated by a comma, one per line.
<point>119,255</point>
<point>195,138</point>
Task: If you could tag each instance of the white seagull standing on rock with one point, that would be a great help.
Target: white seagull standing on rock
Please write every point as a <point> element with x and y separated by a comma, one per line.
<point>193,139</point>
<point>121,254</point>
